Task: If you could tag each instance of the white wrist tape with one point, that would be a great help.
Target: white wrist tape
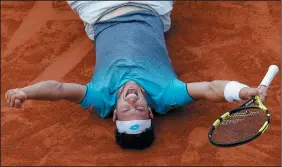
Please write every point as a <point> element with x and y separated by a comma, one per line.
<point>232,91</point>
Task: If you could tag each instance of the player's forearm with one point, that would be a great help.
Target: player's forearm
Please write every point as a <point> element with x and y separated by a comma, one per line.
<point>214,91</point>
<point>222,91</point>
<point>45,90</point>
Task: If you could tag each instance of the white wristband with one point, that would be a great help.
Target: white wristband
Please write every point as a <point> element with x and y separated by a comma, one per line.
<point>232,91</point>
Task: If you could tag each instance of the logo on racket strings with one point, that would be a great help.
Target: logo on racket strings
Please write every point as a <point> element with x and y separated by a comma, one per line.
<point>245,114</point>
<point>233,121</point>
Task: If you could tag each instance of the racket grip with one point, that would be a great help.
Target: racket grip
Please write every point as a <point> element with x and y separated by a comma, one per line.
<point>272,71</point>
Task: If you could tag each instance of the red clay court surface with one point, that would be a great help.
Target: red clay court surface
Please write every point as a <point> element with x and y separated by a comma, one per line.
<point>233,40</point>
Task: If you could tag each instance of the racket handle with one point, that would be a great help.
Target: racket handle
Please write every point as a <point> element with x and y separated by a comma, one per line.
<point>272,71</point>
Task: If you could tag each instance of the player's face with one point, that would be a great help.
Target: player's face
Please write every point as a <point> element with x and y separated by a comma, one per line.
<point>132,103</point>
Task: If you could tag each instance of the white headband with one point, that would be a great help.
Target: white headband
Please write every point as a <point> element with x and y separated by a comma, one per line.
<point>133,127</point>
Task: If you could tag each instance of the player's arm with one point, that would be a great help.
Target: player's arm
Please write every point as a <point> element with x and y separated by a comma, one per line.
<point>46,90</point>
<point>214,91</point>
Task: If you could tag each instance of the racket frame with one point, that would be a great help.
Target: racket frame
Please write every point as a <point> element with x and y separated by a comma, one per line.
<point>228,114</point>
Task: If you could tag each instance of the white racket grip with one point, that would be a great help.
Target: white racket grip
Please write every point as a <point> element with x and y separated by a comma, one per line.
<point>272,71</point>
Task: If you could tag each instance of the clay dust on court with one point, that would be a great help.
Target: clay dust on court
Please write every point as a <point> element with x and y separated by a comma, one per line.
<point>208,40</point>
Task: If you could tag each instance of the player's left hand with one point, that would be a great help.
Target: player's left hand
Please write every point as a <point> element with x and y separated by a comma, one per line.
<point>263,93</point>
<point>247,93</point>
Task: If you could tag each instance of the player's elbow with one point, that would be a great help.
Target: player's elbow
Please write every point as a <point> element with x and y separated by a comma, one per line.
<point>54,87</point>
<point>52,84</point>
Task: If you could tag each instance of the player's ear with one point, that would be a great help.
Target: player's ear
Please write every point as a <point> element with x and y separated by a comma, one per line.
<point>151,113</point>
<point>115,115</point>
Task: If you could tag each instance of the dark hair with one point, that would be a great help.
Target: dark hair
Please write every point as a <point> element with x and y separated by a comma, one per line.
<point>135,141</point>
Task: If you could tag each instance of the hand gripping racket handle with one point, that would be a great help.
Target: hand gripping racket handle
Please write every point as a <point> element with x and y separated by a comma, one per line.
<point>272,71</point>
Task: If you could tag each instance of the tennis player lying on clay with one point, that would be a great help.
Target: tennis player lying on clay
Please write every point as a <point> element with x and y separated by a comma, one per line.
<point>133,74</point>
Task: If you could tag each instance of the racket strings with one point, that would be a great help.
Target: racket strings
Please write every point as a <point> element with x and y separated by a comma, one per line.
<point>246,113</point>
<point>239,126</point>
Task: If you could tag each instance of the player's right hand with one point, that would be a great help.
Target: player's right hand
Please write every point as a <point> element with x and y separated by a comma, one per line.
<point>15,97</point>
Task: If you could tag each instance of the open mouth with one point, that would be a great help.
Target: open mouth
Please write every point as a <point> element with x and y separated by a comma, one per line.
<point>131,92</point>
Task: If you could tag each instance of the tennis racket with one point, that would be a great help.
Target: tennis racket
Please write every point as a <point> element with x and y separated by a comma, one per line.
<point>245,123</point>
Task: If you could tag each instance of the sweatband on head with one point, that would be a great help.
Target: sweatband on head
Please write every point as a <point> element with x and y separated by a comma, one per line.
<point>232,91</point>
<point>133,127</point>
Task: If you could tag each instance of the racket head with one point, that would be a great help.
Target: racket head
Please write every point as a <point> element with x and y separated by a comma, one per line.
<point>240,125</point>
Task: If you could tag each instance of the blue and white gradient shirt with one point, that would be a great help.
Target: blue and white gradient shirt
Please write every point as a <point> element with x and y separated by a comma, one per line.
<point>132,47</point>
